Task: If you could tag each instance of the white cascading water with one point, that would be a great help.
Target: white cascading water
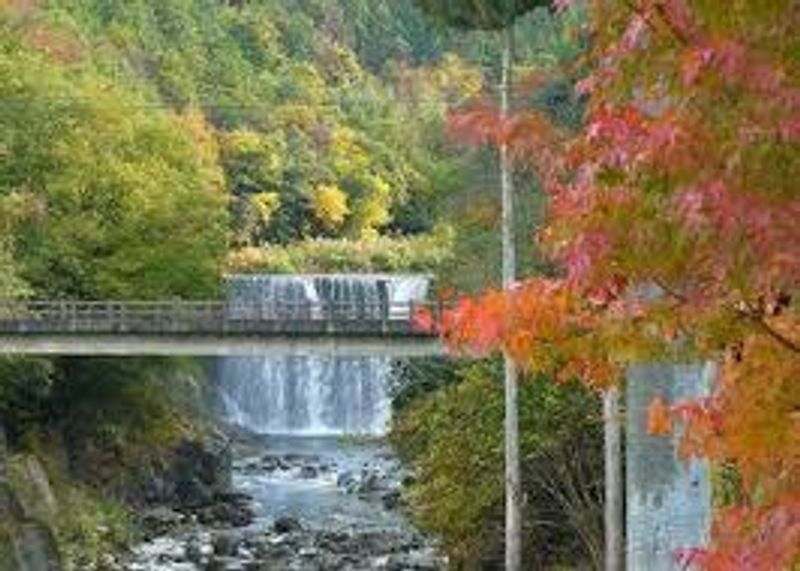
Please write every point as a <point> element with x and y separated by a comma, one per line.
<point>302,394</point>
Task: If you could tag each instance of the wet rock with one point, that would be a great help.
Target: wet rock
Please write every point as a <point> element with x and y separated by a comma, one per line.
<point>195,552</point>
<point>270,463</point>
<point>347,481</point>
<point>216,564</point>
<point>287,524</point>
<point>297,459</point>
<point>192,493</point>
<point>234,515</point>
<point>371,482</point>
<point>392,499</point>
<point>226,544</point>
<point>160,521</point>
<point>333,541</point>
<point>107,562</point>
<point>195,471</point>
<point>308,552</point>
<point>424,560</point>
<point>309,472</point>
<point>231,564</point>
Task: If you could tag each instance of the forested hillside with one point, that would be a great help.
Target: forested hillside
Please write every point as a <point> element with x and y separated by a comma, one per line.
<point>312,127</point>
<point>148,147</point>
<point>270,122</point>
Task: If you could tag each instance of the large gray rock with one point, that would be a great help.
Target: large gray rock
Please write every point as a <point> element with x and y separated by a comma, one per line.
<point>197,471</point>
<point>287,524</point>
<point>27,507</point>
<point>32,488</point>
<point>226,544</point>
<point>160,521</point>
<point>35,548</point>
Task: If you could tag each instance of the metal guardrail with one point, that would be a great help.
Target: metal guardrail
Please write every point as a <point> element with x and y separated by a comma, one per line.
<point>212,318</point>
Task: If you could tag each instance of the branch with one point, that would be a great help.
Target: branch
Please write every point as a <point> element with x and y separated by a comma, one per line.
<point>757,317</point>
<point>661,11</point>
<point>671,291</point>
<point>788,343</point>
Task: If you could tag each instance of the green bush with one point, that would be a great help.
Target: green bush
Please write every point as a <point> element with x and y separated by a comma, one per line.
<point>453,439</point>
<point>424,253</point>
<point>90,526</point>
<point>25,386</point>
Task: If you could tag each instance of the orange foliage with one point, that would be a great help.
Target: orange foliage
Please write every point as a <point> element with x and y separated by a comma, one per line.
<point>659,421</point>
<point>59,44</point>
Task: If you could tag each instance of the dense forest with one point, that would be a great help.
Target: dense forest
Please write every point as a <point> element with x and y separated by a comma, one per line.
<point>147,148</point>
<point>270,122</point>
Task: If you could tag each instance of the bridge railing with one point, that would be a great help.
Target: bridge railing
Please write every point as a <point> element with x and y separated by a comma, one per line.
<point>211,317</point>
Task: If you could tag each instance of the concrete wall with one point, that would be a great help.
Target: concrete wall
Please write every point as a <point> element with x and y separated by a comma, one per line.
<point>668,500</point>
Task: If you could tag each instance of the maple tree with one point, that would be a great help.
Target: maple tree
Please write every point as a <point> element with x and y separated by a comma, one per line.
<point>673,214</point>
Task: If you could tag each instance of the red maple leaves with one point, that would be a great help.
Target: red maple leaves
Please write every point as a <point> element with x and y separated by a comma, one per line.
<point>674,215</point>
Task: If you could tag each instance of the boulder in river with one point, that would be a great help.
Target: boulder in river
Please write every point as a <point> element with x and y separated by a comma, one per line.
<point>287,524</point>
<point>309,472</point>
<point>226,543</point>
<point>160,521</point>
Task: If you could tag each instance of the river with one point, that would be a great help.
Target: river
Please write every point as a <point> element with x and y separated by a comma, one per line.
<point>321,487</point>
<point>320,503</point>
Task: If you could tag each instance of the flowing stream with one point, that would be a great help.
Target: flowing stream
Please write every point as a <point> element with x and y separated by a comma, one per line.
<point>324,487</point>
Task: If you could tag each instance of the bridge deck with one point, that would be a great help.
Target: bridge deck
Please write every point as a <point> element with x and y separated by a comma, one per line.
<point>211,328</point>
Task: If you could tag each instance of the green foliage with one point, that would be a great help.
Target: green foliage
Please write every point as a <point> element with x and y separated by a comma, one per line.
<point>101,427</point>
<point>292,91</point>
<point>300,94</point>
<point>91,526</point>
<point>424,253</point>
<point>124,406</point>
<point>453,437</point>
<point>11,283</point>
<point>6,547</point>
<point>101,198</point>
<point>412,379</point>
<point>25,386</point>
<point>84,523</point>
<point>479,14</point>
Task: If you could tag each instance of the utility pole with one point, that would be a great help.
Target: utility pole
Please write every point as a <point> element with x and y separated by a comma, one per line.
<point>512,464</point>
<point>500,15</point>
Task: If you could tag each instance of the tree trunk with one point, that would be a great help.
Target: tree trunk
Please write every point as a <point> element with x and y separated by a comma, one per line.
<point>613,469</point>
<point>512,465</point>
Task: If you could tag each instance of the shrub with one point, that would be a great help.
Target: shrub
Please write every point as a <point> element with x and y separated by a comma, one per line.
<point>453,437</point>
<point>424,253</point>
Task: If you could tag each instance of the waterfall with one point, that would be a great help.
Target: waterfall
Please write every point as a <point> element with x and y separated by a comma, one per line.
<point>305,394</point>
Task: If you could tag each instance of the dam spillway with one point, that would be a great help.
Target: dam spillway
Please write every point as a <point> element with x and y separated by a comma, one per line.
<point>303,393</point>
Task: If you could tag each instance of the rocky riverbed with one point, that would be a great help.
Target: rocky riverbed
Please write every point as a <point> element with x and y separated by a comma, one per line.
<point>298,504</point>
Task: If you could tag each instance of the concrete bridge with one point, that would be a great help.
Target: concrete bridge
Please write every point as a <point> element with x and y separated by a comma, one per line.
<point>213,328</point>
